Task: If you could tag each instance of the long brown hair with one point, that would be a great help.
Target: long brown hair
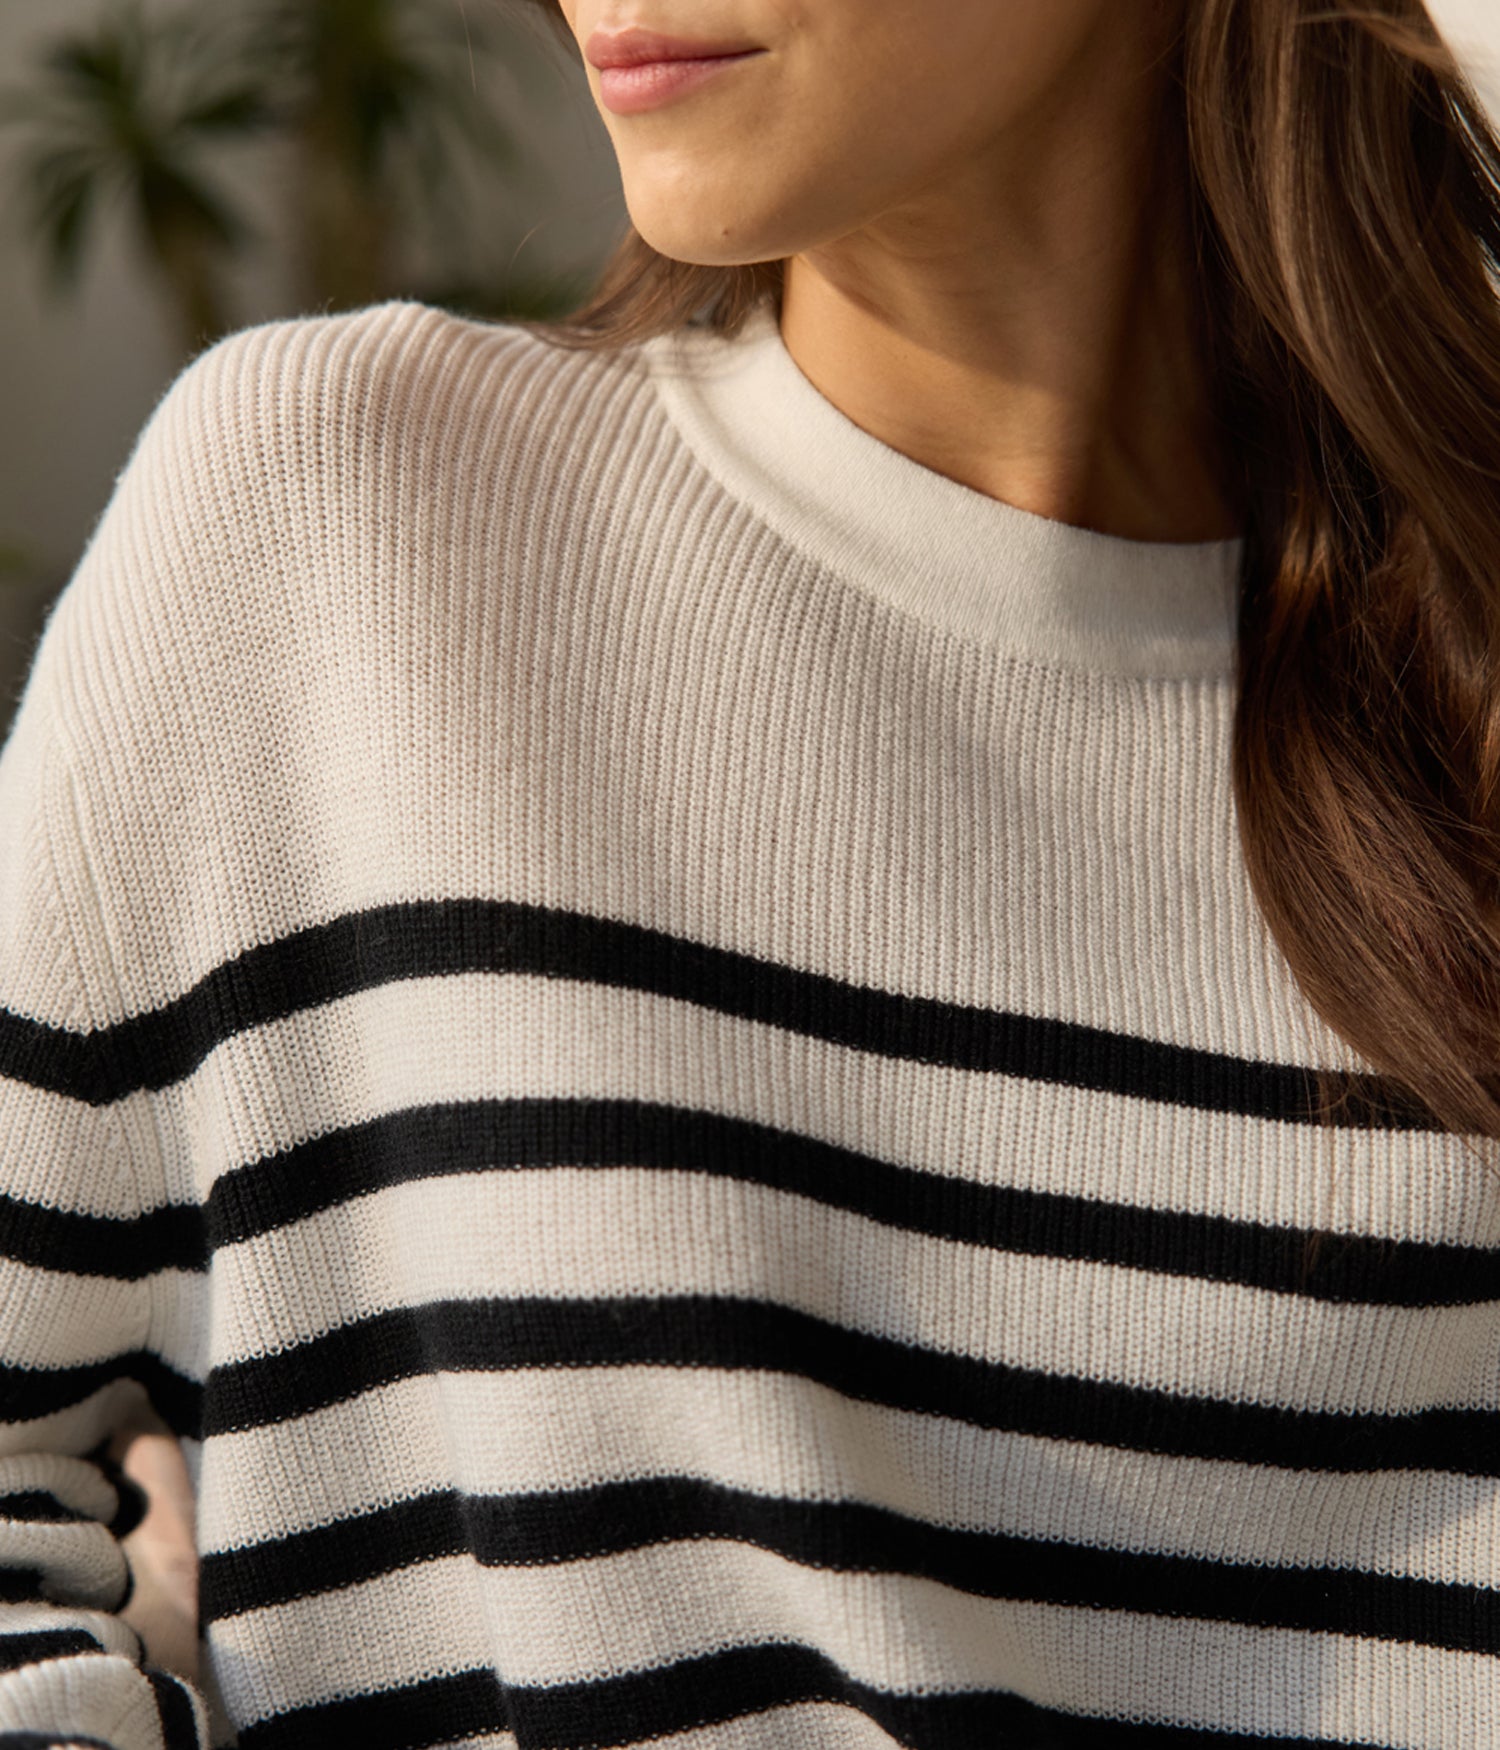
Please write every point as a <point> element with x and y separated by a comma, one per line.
<point>1345,188</point>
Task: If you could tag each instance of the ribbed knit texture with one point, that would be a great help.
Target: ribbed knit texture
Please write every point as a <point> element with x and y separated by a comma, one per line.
<point>643,1022</point>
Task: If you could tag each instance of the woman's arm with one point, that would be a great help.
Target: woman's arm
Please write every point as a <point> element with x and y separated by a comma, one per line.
<point>85,1233</point>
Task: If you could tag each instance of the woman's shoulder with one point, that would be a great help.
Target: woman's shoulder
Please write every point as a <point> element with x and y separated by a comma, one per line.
<point>279,441</point>
<point>290,467</point>
<point>361,377</point>
<point>414,351</point>
<point>308,394</point>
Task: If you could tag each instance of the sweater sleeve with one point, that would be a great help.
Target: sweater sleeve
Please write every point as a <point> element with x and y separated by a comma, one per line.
<point>85,1233</point>
<point>150,833</point>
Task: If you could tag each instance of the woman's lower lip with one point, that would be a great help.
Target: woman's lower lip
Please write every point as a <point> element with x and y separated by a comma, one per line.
<point>629,90</point>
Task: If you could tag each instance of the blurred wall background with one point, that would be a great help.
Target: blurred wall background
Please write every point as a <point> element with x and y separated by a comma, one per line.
<point>80,374</point>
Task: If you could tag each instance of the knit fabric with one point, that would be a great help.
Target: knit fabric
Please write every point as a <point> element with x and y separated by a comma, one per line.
<point>644,1024</point>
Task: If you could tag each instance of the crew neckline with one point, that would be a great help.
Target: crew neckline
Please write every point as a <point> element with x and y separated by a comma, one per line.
<point>938,551</point>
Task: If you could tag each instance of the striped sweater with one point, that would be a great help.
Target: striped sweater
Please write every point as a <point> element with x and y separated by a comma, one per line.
<point>642,1022</point>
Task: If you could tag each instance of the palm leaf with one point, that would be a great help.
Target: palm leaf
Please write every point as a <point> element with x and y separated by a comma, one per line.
<point>241,110</point>
<point>396,96</point>
<point>63,213</point>
<point>171,200</point>
<point>124,106</point>
<point>387,72</point>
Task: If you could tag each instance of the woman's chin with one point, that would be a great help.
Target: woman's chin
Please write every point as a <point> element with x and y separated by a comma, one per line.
<point>695,251</point>
<point>709,243</point>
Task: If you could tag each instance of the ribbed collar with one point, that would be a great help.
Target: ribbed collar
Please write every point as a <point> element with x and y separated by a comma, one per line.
<point>938,551</point>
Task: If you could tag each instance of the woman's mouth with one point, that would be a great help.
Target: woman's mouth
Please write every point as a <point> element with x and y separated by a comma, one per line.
<point>640,70</point>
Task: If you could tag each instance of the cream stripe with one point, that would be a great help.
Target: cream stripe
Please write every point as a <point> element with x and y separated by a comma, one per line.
<point>76,1321</point>
<point>515,1037</point>
<point>53,1135</point>
<point>78,1485</point>
<point>588,1621</point>
<point>809,1726</point>
<point>92,1695</point>
<point>563,1232</point>
<point>81,1562</point>
<point>773,1435</point>
<point>53,1319</point>
<point>489,1741</point>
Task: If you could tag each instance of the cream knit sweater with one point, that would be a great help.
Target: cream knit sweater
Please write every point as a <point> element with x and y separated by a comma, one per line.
<point>643,1022</point>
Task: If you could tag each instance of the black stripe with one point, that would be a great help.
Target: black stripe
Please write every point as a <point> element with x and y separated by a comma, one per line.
<point>361,1546</point>
<point>50,1643</point>
<point>38,1507</point>
<point>57,1060</point>
<point>745,1680</point>
<point>712,1690</point>
<point>496,1135</point>
<point>179,1729</point>
<point>132,1505</point>
<point>847,1537</point>
<point>443,1710</point>
<point>729,1333</point>
<point>28,1393</point>
<point>128,1249</point>
<point>435,938</point>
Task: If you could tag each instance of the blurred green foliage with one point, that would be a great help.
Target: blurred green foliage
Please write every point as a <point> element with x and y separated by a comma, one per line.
<point>16,566</point>
<point>381,103</point>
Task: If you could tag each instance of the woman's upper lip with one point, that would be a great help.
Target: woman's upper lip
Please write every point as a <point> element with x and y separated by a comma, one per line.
<point>637,48</point>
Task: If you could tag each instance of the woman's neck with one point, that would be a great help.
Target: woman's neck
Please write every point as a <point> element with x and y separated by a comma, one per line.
<point>1029,328</point>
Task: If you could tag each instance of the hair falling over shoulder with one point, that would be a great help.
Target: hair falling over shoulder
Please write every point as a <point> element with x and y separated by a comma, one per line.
<point>1345,185</point>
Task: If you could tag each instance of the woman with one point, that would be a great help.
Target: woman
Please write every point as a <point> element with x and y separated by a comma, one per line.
<point>772,1020</point>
